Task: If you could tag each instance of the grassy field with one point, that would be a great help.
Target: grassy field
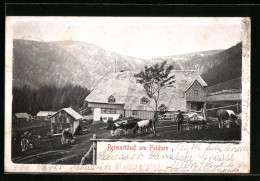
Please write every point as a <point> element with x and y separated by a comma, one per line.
<point>49,150</point>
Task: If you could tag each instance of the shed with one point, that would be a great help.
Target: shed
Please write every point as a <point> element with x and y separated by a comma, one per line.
<point>65,118</point>
<point>45,115</point>
<point>22,117</point>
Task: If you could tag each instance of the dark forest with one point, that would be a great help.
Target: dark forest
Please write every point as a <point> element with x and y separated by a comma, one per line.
<point>48,98</point>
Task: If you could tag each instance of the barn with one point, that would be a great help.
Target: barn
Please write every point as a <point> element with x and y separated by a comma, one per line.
<point>65,118</point>
<point>44,115</point>
<point>119,93</point>
<point>22,117</point>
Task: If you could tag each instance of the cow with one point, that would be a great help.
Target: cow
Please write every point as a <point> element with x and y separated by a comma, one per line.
<point>25,144</point>
<point>226,117</point>
<point>201,122</point>
<point>192,120</point>
<point>67,136</point>
<point>144,124</point>
<point>118,125</point>
<point>195,121</point>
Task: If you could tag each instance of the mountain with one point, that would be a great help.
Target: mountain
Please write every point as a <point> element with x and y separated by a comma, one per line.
<point>80,63</point>
<point>200,61</point>
<point>99,61</point>
<point>228,66</point>
<point>40,63</point>
<point>67,62</point>
<point>214,66</point>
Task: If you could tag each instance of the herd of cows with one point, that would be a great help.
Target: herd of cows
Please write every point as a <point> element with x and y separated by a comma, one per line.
<point>192,121</point>
<point>120,127</point>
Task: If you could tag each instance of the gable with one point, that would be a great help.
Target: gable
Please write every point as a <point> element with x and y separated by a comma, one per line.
<point>195,85</point>
<point>195,92</point>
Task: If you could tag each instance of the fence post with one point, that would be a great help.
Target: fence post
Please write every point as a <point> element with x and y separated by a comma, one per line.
<point>94,150</point>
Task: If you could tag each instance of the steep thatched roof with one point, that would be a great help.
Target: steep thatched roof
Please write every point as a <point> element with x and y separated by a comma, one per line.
<point>123,86</point>
<point>115,84</point>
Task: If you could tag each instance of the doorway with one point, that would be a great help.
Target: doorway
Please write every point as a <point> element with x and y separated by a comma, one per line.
<point>196,106</point>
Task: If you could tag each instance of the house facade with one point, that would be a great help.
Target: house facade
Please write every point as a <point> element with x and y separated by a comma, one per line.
<point>65,118</point>
<point>119,93</point>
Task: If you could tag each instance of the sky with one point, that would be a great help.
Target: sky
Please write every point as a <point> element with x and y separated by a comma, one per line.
<point>139,37</point>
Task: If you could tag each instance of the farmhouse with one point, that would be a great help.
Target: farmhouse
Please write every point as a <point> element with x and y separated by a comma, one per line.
<point>44,115</point>
<point>119,93</point>
<point>22,117</point>
<point>65,118</point>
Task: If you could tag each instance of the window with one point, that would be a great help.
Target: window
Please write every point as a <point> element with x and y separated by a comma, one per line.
<point>144,100</point>
<point>111,99</point>
<point>108,111</point>
<point>134,113</point>
<point>196,92</point>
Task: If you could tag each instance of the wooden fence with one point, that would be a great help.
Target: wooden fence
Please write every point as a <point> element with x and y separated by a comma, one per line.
<point>235,105</point>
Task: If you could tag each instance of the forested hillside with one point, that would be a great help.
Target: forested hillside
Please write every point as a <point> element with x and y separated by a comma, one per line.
<point>48,98</point>
<point>228,66</point>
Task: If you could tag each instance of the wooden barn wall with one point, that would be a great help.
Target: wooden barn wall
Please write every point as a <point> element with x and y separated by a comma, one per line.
<point>99,105</point>
<point>55,118</point>
<point>68,119</point>
<point>191,96</point>
<point>140,114</point>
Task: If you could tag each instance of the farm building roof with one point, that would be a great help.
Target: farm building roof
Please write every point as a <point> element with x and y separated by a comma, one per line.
<point>45,113</point>
<point>115,84</point>
<point>125,89</point>
<point>22,115</point>
<point>70,111</point>
<point>192,84</point>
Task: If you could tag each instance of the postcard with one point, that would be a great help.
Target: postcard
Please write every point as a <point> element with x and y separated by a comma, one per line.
<point>127,94</point>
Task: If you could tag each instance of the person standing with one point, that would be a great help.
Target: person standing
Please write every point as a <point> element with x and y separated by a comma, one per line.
<point>179,120</point>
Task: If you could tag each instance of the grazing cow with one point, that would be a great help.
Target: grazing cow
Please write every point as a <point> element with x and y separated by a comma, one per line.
<point>25,144</point>
<point>67,136</point>
<point>192,121</point>
<point>144,124</point>
<point>125,125</point>
<point>226,117</point>
<point>118,125</point>
<point>201,122</point>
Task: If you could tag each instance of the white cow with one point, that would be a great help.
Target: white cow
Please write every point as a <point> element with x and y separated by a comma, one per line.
<point>144,124</point>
